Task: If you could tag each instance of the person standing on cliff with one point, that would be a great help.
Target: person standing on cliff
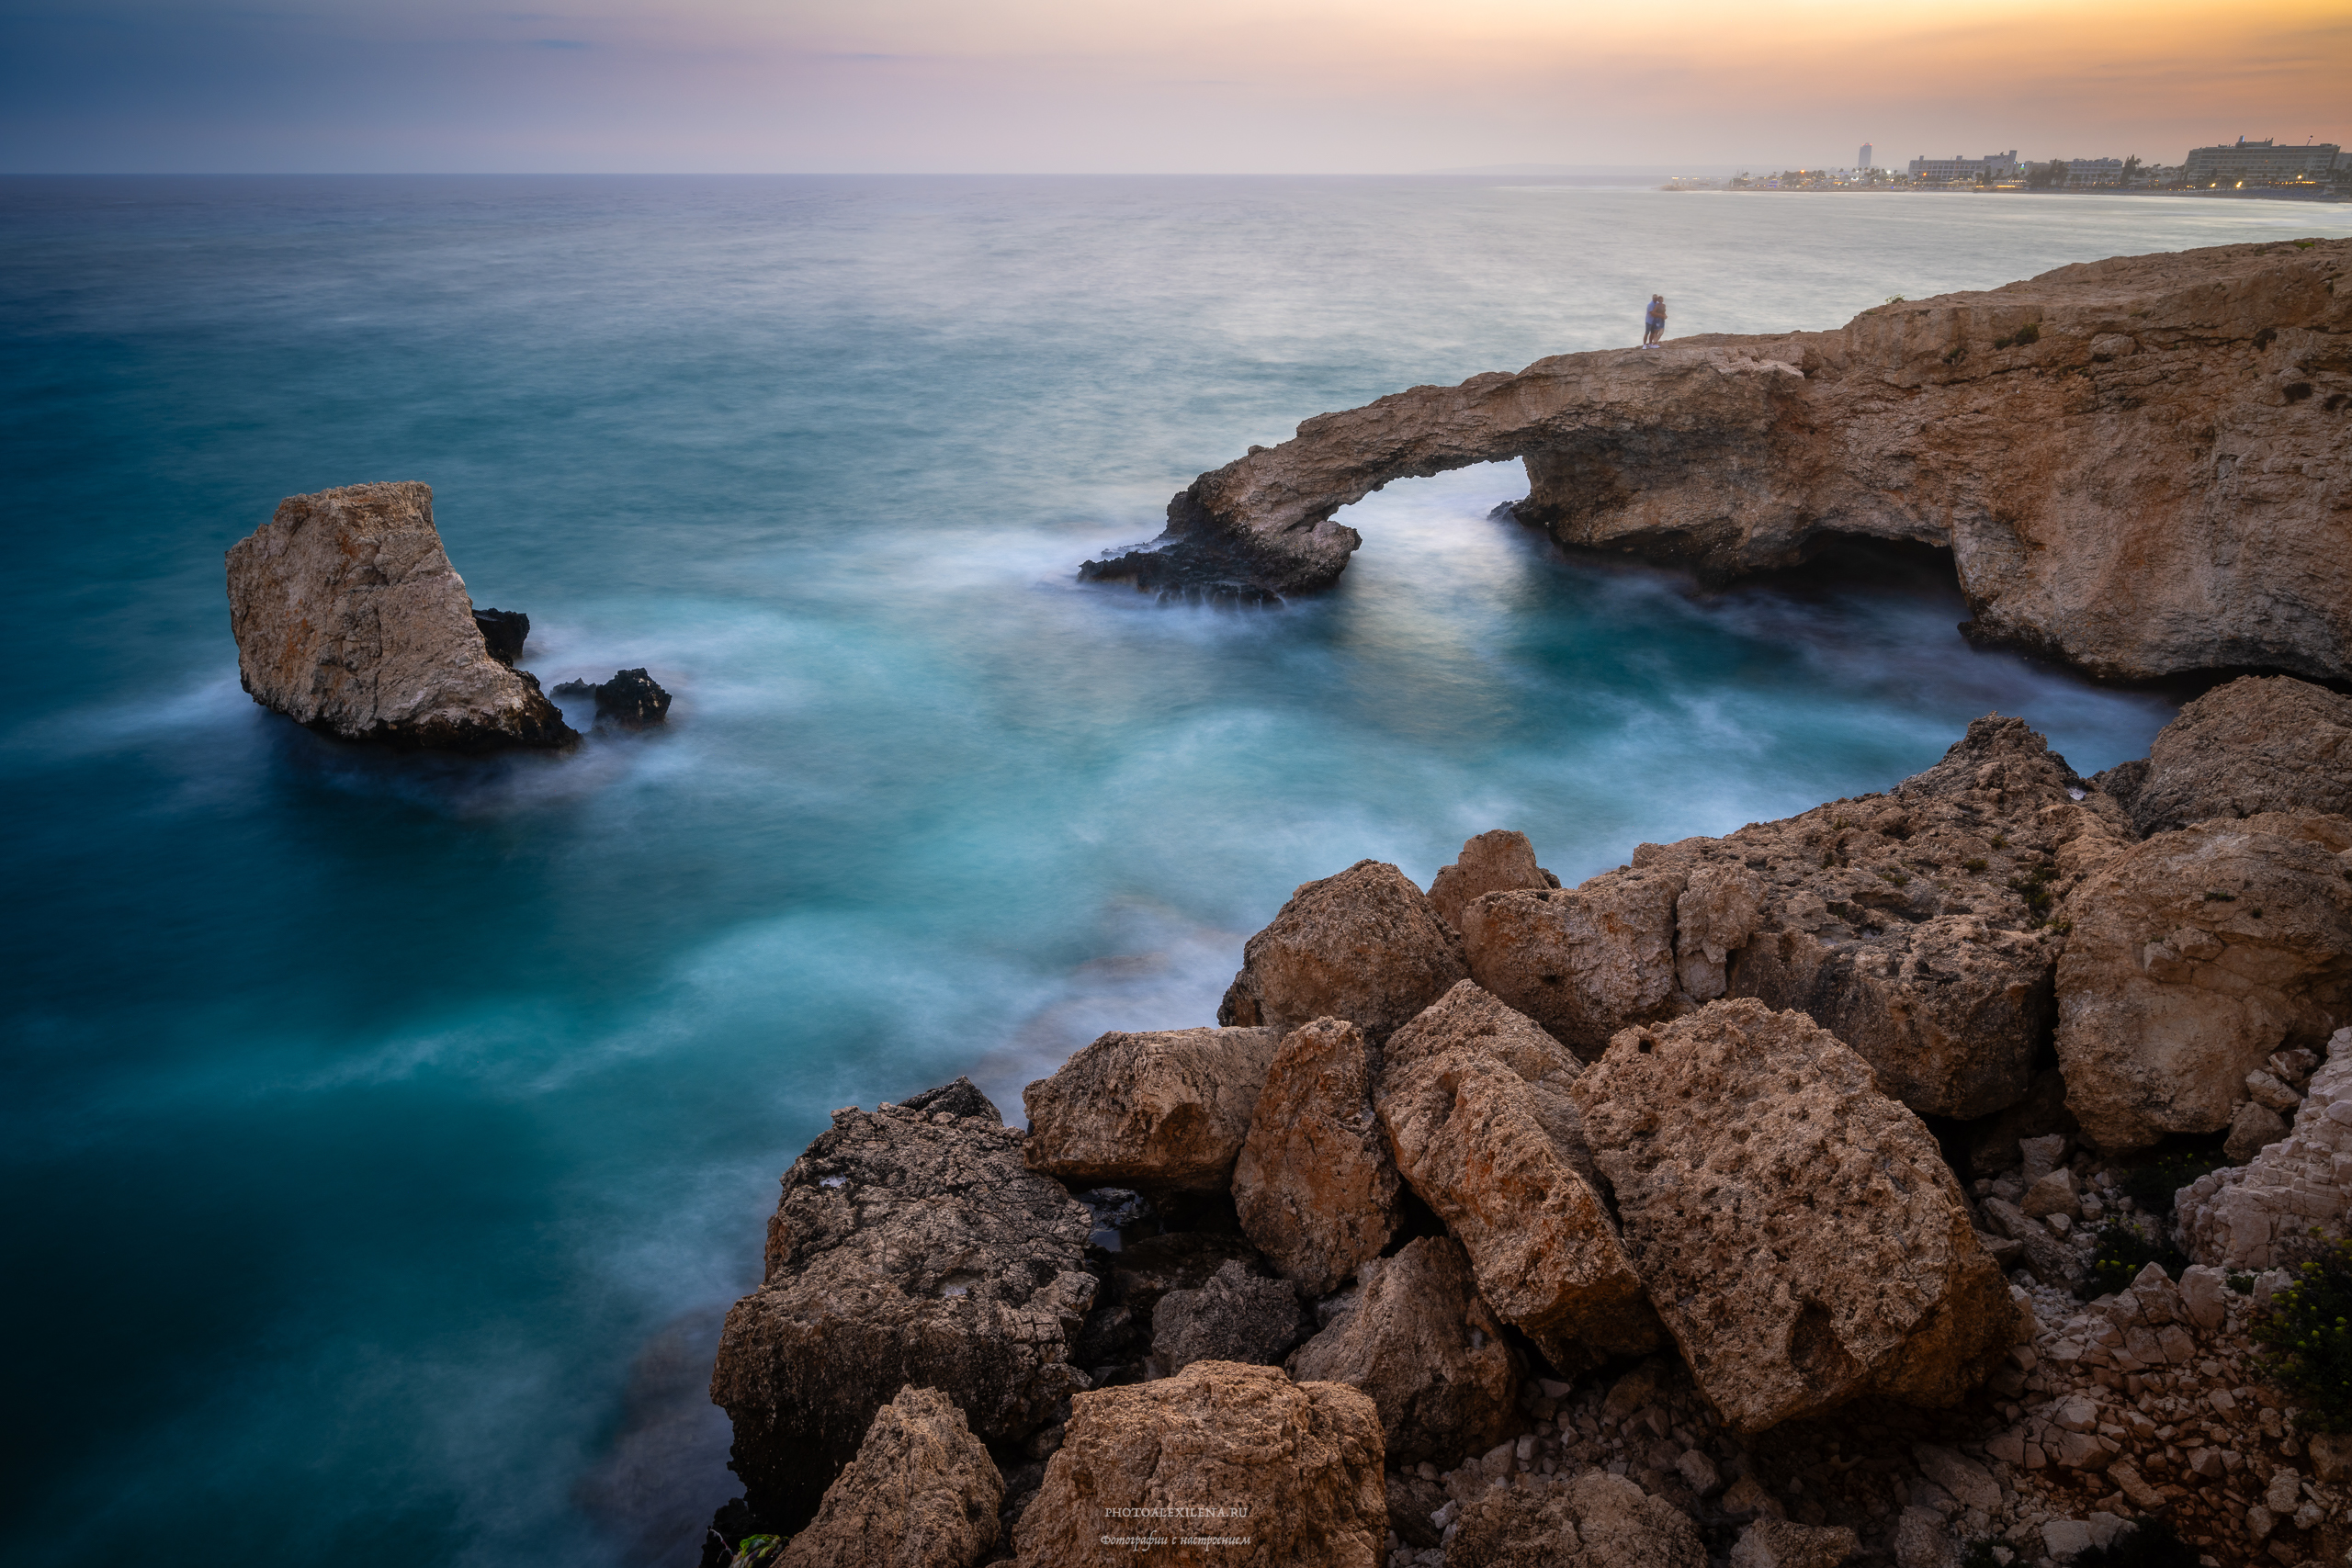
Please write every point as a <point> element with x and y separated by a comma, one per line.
<point>1654,321</point>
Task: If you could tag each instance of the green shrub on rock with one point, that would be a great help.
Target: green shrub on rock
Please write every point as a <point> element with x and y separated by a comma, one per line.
<point>2306,1332</point>
<point>2125,1248</point>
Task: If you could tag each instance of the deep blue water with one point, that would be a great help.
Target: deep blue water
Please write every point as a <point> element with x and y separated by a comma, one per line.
<point>383,1137</point>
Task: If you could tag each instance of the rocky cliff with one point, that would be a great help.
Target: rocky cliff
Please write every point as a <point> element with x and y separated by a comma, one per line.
<point>350,619</point>
<point>2138,464</point>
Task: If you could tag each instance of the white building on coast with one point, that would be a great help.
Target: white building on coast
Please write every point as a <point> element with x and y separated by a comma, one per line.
<point>1998,166</point>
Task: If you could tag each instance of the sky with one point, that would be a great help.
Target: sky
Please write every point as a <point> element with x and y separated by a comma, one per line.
<point>1205,86</point>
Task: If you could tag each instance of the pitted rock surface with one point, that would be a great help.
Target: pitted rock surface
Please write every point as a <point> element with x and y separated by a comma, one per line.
<point>2192,958</point>
<point>1300,1463</point>
<point>1797,1228</point>
<point>2240,1217</point>
<point>349,618</point>
<point>1603,1520</point>
<point>1167,1111</point>
<point>2261,743</point>
<point>2150,484</point>
<point>1476,1101</point>
<point>1363,946</point>
<point>1497,862</point>
<point>1430,1353</point>
<point>1314,1187</point>
<point>910,1247</point>
<point>1234,1316</point>
<point>921,1493</point>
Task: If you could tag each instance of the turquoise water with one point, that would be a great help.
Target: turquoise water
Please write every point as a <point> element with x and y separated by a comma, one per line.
<point>383,1137</point>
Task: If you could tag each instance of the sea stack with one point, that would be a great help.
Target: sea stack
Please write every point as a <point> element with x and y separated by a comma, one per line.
<point>350,619</point>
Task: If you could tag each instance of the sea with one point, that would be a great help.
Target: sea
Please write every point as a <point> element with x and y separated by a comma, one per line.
<point>384,1138</point>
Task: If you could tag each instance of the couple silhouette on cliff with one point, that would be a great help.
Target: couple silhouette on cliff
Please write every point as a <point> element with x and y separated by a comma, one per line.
<point>1654,321</point>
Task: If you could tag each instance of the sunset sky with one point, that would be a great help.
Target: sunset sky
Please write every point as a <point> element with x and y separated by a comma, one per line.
<point>1104,85</point>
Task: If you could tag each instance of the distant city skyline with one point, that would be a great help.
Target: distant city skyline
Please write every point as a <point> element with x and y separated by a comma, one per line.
<point>1061,86</point>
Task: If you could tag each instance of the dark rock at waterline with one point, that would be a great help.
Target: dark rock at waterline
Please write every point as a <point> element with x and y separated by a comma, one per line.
<point>630,700</point>
<point>503,631</point>
<point>962,1098</point>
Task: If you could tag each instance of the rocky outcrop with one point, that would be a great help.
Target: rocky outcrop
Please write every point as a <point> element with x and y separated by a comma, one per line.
<point>1431,1354</point>
<point>921,1493</point>
<point>2258,744</point>
<point>1476,1103</point>
<point>1161,1112</point>
<point>1364,947</point>
<point>2132,461</point>
<point>503,633</point>
<point>910,1246</point>
<point>2241,1217</point>
<point>1496,862</point>
<point>1234,1316</point>
<point>1598,1519</point>
<point>630,700</point>
<point>1278,1472</point>
<point>1798,1230</point>
<point>349,619</point>
<point>2192,958</point>
<point>1315,1188</point>
<point>1912,924</point>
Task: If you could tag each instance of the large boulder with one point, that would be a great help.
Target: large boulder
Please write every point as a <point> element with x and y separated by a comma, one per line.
<point>912,1245</point>
<point>2261,743</point>
<point>1915,925</point>
<point>1276,1473</point>
<point>1233,1315</point>
<point>1431,1352</point>
<point>921,1493</point>
<point>2192,959</point>
<point>1798,1229</point>
<point>1499,861</point>
<point>1363,946</point>
<point>1165,1111</point>
<point>1597,1520</point>
<point>1315,1188</point>
<point>349,619</point>
<point>1474,1100</point>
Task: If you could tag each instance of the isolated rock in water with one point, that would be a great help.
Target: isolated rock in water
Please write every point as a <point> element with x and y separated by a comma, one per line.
<point>1315,1188</point>
<point>1295,1468</point>
<point>349,619</point>
<point>1496,862</point>
<point>1161,1112</point>
<point>1799,1230</point>
<point>1784,1543</point>
<point>1475,1100</point>
<point>1427,1349</point>
<point>630,700</point>
<point>1611,1519</point>
<point>1363,946</point>
<point>921,1493</point>
<point>2181,412</point>
<point>2238,1218</point>
<point>2261,743</point>
<point>504,632</point>
<point>910,1246</point>
<point>1584,961</point>
<point>2192,959</point>
<point>1235,1316</point>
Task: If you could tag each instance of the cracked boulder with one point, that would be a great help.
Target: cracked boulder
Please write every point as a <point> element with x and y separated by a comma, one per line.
<point>1798,1229</point>
<point>1496,862</point>
<point>1364,946</point>
<point>912,1245</point>
<point>1315,1188</point>
<point>1162,1111</point>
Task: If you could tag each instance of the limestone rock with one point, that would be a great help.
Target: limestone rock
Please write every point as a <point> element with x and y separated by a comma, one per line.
<point>1429,1351</point>
<point>1583,961</point>
<point>1476,1103</point>
<point>2238,1218</point>
<point>1922,1541</point>
<point>349,619</point>
<point>910,1246</point>
<point>2049,1260</point>
<point>1363,946</point>
<point>2255,1128</point>
<point>921,1493</point>
<point>1296,1467</point>
<point>1597,1519</point>
<point>630,700</point>
<point>1163,1112</point>
<point>1784,1543</point>
<point>2193,956</point>
<point>1314,1187</point>
<point>2204,459</point>
<point>1798,1230</point>
<point>2261,743</point>
<point>1412,1499</point>
<point>1235,1316</point>
<point>1496,862</point>
<point>2053,1194</point>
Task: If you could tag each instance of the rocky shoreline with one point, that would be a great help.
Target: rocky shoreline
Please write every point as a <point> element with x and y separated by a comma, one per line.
<point>1796,1197</point>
